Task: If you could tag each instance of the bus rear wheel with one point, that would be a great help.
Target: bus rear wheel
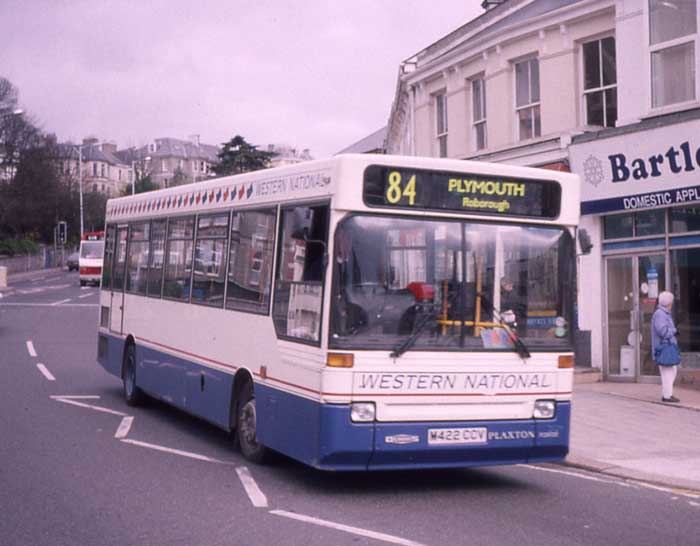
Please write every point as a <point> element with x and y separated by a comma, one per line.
<point>132,394</point>
<point>246,423</point>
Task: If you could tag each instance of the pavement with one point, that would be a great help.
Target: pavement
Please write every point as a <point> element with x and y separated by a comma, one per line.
<point>624,430</point>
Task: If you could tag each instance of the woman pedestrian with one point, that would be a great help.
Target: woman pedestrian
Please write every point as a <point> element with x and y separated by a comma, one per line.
<point>664,345</point>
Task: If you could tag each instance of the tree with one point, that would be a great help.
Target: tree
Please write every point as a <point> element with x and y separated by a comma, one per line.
<point>143,184</point>
<point>18,132</point>
<point>238,156</point>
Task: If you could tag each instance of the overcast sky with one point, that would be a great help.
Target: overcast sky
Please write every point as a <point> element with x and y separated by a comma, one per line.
<point>312,74</point>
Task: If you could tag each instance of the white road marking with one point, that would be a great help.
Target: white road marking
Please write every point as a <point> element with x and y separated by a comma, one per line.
<point>256,496</point>
<point>18,304</point>
<point>347,528</point>
<point>124,427</point>
<point>615,481</point>
<point>86,295</point>
<point>89,406</point>
<point>31,349</point>
<point>187,454</point>
<point>75,396</point>
<point>694,503</point>
<point>47,374</point>
<point>60,302</point>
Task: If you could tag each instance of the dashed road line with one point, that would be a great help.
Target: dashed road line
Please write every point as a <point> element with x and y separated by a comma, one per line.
<point>60,302</point>
<point>124,427</point>
<point>346,528</point>
<point>31,349</point>
<point>255,494</point>
<point>86,295</point>
<point>44,370</point>
<point>20,304</point>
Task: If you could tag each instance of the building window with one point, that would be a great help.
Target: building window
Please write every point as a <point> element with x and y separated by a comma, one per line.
<point>479,112</point>
<point>441,128</point>
<point>600,82</point>
<point>527,99</point>
<point>94,169</point>
<point>672,43</point>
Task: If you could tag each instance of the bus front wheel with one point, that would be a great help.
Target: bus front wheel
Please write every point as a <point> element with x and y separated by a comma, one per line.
<point>132,394</point>
<point>247,427</point>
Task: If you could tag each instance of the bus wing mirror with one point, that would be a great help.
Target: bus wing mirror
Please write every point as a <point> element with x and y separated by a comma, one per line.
<point>584,241</point>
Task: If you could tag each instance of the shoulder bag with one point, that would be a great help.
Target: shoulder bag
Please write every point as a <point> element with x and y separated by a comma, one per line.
<point>667,354</point>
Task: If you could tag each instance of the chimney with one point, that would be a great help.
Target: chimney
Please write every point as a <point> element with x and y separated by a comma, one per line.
<point>490,4</point>
<point>194,139</point>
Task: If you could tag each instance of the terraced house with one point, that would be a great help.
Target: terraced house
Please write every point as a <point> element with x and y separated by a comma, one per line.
<point>607,89</point>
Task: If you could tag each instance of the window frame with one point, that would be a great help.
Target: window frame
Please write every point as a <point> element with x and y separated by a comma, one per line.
<point>532,106</point>
<point>602,88</point>
<point>148,294</point>
<point>441,122</point>
<point>278,251</point>
<point>130,246</point>
<point>479,122</point>
<point>693,39</point>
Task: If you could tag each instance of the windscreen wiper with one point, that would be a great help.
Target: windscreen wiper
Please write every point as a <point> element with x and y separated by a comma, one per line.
<point>518,344</point>
<point>424,320</point>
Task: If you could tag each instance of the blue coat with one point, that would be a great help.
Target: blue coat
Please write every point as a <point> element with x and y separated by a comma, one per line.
<point>662,328</point>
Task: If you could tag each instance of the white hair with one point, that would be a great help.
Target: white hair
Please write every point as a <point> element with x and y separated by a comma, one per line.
<point>665,299</point>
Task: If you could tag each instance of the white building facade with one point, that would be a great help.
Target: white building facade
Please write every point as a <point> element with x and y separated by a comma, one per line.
<point>608,89</point>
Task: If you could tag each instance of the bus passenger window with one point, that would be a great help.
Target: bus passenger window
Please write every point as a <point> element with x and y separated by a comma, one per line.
<point>157,254</point>
<point>137,263</point>
<point>209,264</point>
<point>109,258</point>
<point>250,260</point>
<point>178,268</point>
<point>300,272</point>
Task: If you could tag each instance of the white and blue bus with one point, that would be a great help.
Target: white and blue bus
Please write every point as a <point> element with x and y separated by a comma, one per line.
<point>363,312</point>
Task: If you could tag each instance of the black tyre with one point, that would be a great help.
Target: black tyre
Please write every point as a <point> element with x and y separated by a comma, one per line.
<point>246,424</point>
<point>132,394</point>
<point>83,283</point>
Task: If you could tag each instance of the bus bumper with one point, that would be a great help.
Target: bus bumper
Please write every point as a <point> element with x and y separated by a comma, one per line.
<point>392,446</point>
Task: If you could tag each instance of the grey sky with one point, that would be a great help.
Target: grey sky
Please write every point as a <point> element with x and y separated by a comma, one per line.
<point>312,74</point>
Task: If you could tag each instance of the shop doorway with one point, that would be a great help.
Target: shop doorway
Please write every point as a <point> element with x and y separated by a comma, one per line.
<point>633,286</point>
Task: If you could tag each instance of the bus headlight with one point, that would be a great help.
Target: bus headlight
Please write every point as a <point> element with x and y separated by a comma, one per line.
<point>362,412</point>
<point>544,409</point>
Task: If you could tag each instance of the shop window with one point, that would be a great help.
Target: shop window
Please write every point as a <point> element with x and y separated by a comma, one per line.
<point>684,219</point>
<point>685,267</point>
<point>301,266</point>
<point>673,37</point>
<point>209,260</point>
<point>250,260</point>
<point>137,263</point>
<point>527,99</point>
<point>618,226</point>
<point>600,82</point>
<point>649,222</point>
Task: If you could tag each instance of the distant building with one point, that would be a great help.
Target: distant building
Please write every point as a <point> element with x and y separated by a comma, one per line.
<point>102,170</point>
<point>371,144</point>
<point>172,162</point>
<point>287,155</point>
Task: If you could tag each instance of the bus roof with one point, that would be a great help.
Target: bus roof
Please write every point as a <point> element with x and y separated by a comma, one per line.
<point>317,179</point>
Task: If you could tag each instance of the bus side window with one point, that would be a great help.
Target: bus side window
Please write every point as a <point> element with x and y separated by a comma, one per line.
<point>300,272</point>
<point>109,257</point>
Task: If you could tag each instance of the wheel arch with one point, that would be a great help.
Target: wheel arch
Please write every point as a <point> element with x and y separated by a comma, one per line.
<point>240,380</point>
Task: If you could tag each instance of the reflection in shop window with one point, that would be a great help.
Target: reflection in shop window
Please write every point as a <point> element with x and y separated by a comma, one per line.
<point>684,219</point>
<point>618,226</point>
<point>649,222</point>
<point>685,272</point>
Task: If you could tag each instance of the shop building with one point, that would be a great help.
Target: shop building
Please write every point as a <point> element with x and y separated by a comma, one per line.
<point>608,89</point>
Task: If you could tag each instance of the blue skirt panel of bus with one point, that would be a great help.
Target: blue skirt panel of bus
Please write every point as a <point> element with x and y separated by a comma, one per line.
<point>200,390</point>
<point>323,435</point>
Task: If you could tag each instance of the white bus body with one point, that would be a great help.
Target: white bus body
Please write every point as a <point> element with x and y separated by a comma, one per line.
<point>345,312</point>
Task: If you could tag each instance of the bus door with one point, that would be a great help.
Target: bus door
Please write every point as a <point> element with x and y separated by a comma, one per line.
<point>116,313</point>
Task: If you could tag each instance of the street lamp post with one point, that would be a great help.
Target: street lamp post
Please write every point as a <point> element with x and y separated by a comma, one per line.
<point>80,186</point>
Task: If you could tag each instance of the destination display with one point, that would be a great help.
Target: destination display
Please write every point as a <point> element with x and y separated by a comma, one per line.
<point>460,192</point>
